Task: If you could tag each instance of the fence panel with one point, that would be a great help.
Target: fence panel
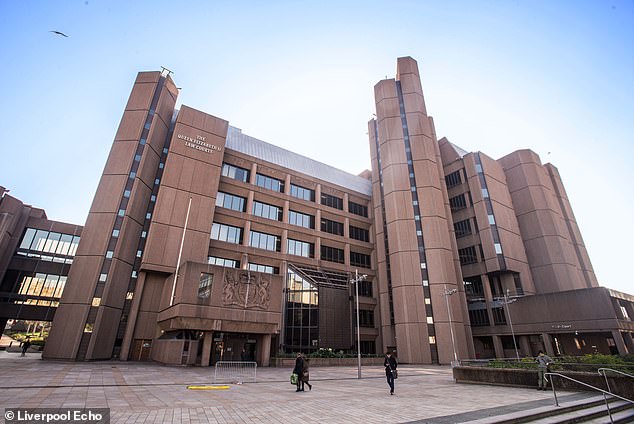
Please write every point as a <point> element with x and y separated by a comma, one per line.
<point>235,372</point>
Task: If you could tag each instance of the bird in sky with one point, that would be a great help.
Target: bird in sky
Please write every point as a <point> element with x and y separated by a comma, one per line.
<point>59,33</point>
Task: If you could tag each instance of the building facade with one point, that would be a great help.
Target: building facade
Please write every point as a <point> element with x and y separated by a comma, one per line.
<point>205,244</point>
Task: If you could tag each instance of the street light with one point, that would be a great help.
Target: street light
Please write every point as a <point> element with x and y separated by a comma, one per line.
<point>448,293</point>
<point>507,302</point>
<point>358,278</point>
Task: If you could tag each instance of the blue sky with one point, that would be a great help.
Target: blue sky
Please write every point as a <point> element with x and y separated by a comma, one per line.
<point>554,76</point>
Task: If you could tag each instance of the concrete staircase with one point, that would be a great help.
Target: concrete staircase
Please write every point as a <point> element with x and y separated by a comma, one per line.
<point>589,410</point>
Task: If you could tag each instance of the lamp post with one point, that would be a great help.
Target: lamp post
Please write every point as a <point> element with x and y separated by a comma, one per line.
<point>448,293</point>
<point>507,302</point>
<point>357,278</point>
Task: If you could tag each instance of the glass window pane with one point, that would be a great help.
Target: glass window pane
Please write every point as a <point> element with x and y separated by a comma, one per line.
<point>28,238</point>
<point>40,240</point>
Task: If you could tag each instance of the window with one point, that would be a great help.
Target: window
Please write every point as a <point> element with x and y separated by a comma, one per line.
<point>473,288</point>
<point>269,183</point>
<point>204,286</point>
<point>265,241</point>
<point>332,201</point>
<point>229,263</point>
<point>462,228</point>
<point>458,202</point>
<point>359,259</point>
<point>478,317</point>
<point>228,233</point>
<point>103,277</point>
<point>235,172</point>
<point>467,255</point>
<point>96,301</point>
<point>498,316</point>
<point>301,219</point>
<point>332,227</point>
<point>300,248</point>
<point>365,288</point>
<point>332,254</point>
<point>498,248</point>
<point>453,179</point>
<point>491,219</point>
<point>302,193</point>
<point>230,201</point>
<point>366,318</point>
<point>359,233</point>
<point>263,268</point>
<point>115,233</point>
<point>485,193</point>
<point>267,211</point>
<point>357,209</point>
<point>626,316</point>
<point>109,254</point>
<point>368,347</point>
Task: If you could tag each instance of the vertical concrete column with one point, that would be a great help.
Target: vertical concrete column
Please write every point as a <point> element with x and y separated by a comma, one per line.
<point>285,211</point>
<point>488,296</point>
<point>254,170</point>
<point>246,233</point>
<point>497,345</point>
<point>548,344</point>
<point>620,343</point>
<point>249,209</point>
<point>284,242</point>
<point>265,350</point>
<point>346,254</point>
<point>346,228</point>
<point>318,220</point>
<point>207,342</point>
<point>287,184</point>
<point>629,343</point>
<point>318,248</point>
<point>318,194</point>
<point>345,202</point>
<point>524,346</point>
<point>244,261</point>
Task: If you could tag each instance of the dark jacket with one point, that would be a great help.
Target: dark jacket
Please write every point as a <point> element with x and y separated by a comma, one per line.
<point>299,366</point>
<point>390,364</point>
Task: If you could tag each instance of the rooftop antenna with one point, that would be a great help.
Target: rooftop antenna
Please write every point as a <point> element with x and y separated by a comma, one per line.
<point>165,72</point>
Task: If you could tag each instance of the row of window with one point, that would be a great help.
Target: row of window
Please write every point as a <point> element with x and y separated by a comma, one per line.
<point>232,263</point>
<point>265,210</point>
<point>49,242</point>
<point>273,243</point>
<point>270,183</point>
<point>44,285</point>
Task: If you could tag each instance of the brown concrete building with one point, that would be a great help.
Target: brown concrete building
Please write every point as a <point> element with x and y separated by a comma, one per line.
<point>35,257</point>
<point>206,244</point>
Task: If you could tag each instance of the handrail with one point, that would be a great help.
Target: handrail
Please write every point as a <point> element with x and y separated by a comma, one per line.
<point>607,383</point>
<point>552,382</point>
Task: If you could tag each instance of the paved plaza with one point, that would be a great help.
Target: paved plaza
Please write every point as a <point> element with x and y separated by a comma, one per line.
<point>152,393</point>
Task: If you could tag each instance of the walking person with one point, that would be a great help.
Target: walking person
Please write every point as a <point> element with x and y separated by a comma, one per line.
<point>543,361</point>
<point>390,365</point>
<point>299,368</point>
<point>25,346</point>
<point>305,376</point>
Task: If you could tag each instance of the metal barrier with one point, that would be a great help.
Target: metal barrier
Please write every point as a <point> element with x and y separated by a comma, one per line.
<point>552,383</point>
<point>235,372</point>
<point>602,371</point>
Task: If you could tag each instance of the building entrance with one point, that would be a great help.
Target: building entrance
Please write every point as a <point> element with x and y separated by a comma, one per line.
<point>233,347</point>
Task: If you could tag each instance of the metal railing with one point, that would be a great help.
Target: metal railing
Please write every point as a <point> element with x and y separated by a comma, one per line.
<point>604,392</point>
<point>602,371</point>
<point>235,372</point>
